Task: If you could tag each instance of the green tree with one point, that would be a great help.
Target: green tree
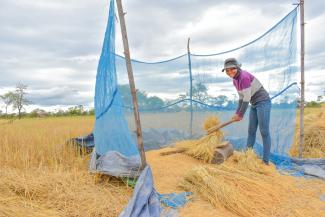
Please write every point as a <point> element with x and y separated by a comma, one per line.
<point>142,98</point>
<point>313,104</point>
<point>125,93</point>
<point>7,99</point>
<point>154,102</point>
<point>38,113</point>
<point>76,110</point>
<point>19,98</point>
<point>200,92</point>
<point>91,111</point>
<point>59,113</point>
<point>144,101</point>
<point>220,100</point>
<point>183,104</point>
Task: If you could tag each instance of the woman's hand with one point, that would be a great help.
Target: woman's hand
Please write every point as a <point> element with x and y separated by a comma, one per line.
<point>236,118</point>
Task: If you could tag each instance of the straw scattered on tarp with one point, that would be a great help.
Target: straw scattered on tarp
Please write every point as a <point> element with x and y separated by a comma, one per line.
<point>247,187</point>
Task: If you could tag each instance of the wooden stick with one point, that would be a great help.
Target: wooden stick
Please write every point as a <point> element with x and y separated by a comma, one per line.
<point>191,85</point>
<point>215,128</point>
<point>131,82</point>
<point>172,152</point>
<point>177,151</point>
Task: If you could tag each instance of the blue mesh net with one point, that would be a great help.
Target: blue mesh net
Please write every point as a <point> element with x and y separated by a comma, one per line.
<point>176,95</point>
<point>111,131</point>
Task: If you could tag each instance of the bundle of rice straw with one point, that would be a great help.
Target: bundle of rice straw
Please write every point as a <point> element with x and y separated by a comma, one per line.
<point>204,147</point>
<point>246,187</point>
<point>314,136</point>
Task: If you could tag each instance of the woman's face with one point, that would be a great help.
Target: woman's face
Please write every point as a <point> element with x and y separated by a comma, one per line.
<point>231,72</point>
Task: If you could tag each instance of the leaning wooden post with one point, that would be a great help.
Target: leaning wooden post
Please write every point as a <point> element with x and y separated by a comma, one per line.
<point>131,82</point>
<point>302,67</point>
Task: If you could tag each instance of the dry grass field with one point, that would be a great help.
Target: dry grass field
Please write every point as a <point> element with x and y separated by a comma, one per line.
<point>42,176</point>
<point>314,140</point>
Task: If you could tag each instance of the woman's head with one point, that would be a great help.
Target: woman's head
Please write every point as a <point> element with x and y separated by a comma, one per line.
<point>231,66</point>
<point>231,72</point>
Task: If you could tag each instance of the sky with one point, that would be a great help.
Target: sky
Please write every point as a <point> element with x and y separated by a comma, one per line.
<point>54,46</point>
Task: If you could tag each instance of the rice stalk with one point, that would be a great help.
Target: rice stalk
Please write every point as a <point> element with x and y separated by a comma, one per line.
<point>204,147</point>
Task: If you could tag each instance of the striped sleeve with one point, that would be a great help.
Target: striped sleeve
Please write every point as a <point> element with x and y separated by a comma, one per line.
<point>246,94</point>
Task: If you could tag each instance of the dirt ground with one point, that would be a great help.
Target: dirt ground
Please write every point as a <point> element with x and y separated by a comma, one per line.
<point>168,172</point>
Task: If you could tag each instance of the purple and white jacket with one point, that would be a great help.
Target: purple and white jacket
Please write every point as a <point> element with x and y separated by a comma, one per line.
<point>250,90</point>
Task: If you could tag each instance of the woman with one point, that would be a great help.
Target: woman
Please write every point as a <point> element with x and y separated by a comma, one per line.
<point>250,90</point>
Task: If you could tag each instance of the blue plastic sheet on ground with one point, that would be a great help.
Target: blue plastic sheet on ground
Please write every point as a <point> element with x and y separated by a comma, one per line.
<point>115,164</point>
<point>286,164</point>
<point>146,202</point>
<point>130,168</point>
<point>175,200</point>
<point>153,139</point>
<point>86,141</point>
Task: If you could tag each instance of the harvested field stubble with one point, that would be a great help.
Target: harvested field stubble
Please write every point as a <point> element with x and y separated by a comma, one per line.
<point>42,176</point>
<point>246,187</point>
<point>314,134</point>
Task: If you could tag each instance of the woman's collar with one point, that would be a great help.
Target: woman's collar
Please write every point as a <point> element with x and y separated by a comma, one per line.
<point>237,74</point>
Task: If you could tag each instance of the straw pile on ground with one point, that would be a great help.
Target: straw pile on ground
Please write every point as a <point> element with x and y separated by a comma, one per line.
<point>314,138</point>
<point>247,187</point>
<point>203,148</point>
<point>41,176</point>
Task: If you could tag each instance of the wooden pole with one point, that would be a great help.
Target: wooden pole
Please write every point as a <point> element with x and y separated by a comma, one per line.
<point>191,85</point>
<point>302,67</point>
<point>216,128</point>
<point>131,82</point>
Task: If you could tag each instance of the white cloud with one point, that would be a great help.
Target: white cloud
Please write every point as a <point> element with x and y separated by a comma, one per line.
<point>54,46</point>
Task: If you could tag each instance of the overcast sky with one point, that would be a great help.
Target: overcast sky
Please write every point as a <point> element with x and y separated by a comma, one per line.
<point>54,46</point>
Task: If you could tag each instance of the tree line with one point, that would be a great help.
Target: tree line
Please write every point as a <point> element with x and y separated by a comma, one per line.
<point>17,100</point>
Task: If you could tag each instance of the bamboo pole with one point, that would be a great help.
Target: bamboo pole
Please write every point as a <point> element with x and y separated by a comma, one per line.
<point>302,68</point>
<point>131,82</point>
<point>191,85</point>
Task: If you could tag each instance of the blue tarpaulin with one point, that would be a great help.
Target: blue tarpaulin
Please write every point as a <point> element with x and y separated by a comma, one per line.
<point>176,95</point>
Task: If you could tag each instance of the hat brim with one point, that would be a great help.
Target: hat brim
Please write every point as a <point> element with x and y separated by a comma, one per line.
<point>229,67</point>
